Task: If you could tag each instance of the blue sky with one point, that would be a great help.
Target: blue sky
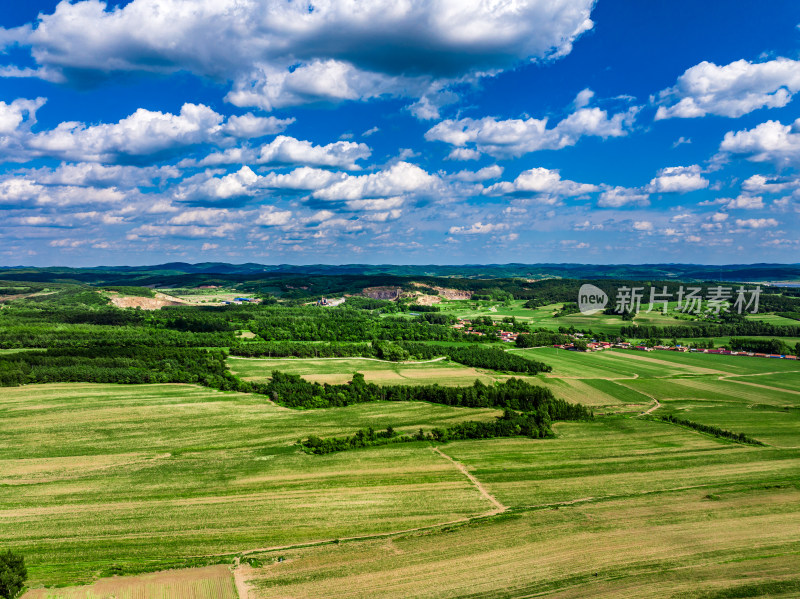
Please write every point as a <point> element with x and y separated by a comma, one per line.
<point>417,132</point>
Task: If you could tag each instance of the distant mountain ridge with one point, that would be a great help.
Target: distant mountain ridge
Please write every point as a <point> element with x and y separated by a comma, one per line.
<point>732,272</point>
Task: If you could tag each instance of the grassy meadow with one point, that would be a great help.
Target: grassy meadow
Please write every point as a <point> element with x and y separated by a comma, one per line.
<point>210,582</point>
<point>149,477</point>
<point>619,507</point>
<point>616,508</point>
<point>97,480</point>
<point>684,545</point>
<point>340,370</point>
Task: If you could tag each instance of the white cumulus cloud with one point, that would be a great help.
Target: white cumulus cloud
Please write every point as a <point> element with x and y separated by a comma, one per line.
<point>678,179</point>
<point>269,216</point>
<point>248,125</point>
<point>279,52</point>
<point>398,179</point>
<point>541,180</point>
<point>288,150</point>
<point>767,142</point>
<point>488,172</point>
<point>143,133</point>
<point>92,174</point>
<point>730,90</point>
<point>756,223</point>
<point>478,229</point>
<point>514,137</point>
<point>303,178</point>
<point>617,197</point>
<point>21,110</point>
<point>239,184</point>
<point>21,191</point>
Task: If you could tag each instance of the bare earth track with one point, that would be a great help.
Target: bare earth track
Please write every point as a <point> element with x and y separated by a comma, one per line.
<point>499,507</point>
<point>240,571</point>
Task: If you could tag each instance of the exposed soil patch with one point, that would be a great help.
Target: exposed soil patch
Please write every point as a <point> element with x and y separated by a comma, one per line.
<point>427,300</point>
<point>382,293</point>
<point>145,303</point>
<point>447,292</point>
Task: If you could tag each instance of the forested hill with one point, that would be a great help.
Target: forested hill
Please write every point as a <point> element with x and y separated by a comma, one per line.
<point>640,272</point>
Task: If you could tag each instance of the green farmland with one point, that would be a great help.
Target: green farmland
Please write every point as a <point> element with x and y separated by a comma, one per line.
<point>176,475</point>
<point>155,454</point>
<point>340,370</point>
<point>157,475</point>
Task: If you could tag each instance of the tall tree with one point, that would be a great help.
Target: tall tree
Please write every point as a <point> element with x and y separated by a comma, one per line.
<point>13,574</point>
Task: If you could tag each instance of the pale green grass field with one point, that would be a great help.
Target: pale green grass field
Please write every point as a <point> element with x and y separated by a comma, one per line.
<point>774,319</point>
<point>606,364</point>
<point>789,381</point>
<point>617,456</point>
<point>471,309</point>
<point>156,476</point>
<point>717,363</point>
<point>339,371</point>
<point>594,392</point>
<point>211,582</point>
<point>543,316</point>
<point>747,404</point>
<point>650,546</point>
<point>150,476</point>
<point>615,508</point>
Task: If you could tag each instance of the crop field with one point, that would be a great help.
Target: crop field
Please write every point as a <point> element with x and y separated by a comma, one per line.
<point>781,380</point>
<point>610,364</point>
<point>602,323</point>
<point>150,477</point>
<point>773,319</point>
<point>615,508</point>
<point>760,410</point>
<point>716,363</point>
<point>496,310</point>
<point>596,393</point>
<point>641,547</point>
<point>97,480</point>
<point>211,582</point>
<point>340,370</point>
<point>598,380</point>
<point>617,457</point>
<point>544,316</point>
<point>135,464</point>
<point>566,364</point>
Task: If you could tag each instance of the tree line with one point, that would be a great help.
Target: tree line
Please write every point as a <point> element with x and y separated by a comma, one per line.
<point>126,365</point>
<point>533,425</point>
<point>711,430</point>
<point>44,335</point>
<point>478,356</point>
<point>291,390</point>
<point>762,346</point>
<point>743,328</point>
<point>542,338</point>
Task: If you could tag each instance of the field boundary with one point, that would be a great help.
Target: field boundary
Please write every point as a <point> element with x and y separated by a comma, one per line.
<point>241,580</point>
<point>499,507</point>
<point>651,409</point>
<point>731,379</point>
